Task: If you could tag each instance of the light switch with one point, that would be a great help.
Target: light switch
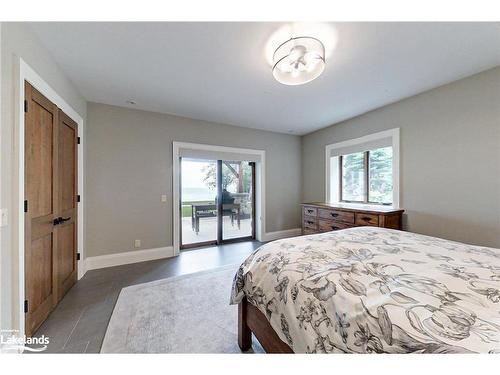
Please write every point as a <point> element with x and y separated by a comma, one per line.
<point>4,217</point>
<point>137,243</point>
<point>164,198</point>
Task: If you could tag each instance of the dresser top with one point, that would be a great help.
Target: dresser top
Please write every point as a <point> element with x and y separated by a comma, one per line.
<point>377,209</point>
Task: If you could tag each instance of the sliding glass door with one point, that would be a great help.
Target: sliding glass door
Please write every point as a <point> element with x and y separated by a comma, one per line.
<point>198,196</point>
<point>217,201</point>
<point>238,199</point>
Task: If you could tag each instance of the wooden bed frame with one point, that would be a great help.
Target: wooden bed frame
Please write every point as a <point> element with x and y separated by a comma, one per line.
<point>251,320</point>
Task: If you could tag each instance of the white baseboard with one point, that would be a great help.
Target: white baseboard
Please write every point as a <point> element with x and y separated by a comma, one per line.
<point>128,257</point>
<point>271,236</point>
<point>82,268</point>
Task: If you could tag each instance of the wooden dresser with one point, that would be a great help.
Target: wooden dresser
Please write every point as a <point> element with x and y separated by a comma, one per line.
<point>324,217</point>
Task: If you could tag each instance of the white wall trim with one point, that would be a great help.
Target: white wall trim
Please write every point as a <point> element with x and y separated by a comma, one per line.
<point>394,134</point>
<point>260,190</point>
<point>128,257</point>
<point>25,73</point>
<point>272,236</point>
<point>1,179</point>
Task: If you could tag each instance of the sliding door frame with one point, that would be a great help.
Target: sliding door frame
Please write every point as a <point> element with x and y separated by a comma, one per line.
<point>254,214</point>
<point>259,191</point>
<point>220,236</point>
<point>220,218</point>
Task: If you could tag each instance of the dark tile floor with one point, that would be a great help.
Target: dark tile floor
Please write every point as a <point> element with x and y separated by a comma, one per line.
<point>79,322</point>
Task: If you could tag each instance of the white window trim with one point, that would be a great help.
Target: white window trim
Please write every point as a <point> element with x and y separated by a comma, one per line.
<point>260,191</point>
<point>332,168</point>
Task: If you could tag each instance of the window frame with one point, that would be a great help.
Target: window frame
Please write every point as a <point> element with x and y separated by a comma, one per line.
<point>366,190</point>
<point>334,151</point>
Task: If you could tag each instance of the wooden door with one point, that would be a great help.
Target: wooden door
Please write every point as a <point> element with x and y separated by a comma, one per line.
<point>66,232</point>
<point>40,206</point>
<point>51,143</point>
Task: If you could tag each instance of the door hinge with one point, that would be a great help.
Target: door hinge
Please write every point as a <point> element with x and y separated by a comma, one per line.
<point>25,306</point>
<point>78,140</point>
<point>25,206</point>
<point>26,106</point>
<point>78,198</point>
<point>77,256</point>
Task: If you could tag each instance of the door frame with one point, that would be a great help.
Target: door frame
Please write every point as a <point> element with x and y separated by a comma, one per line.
<point>26,73</point>
<point>260,191</point>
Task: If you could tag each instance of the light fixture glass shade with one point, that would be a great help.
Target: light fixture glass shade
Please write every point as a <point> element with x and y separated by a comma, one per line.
<point>298,60</point>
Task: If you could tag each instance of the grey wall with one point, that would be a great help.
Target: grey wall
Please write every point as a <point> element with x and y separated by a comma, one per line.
<point>450,158</point>
<point>17,41</point>
<point>129,167</point>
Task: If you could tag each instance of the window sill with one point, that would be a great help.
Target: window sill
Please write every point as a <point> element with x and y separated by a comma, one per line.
<point>366,206</point>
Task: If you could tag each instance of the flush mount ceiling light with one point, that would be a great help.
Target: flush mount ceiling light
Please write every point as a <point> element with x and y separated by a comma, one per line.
<point>298,60</point>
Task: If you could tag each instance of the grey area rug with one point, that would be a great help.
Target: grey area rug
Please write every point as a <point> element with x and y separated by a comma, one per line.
<point>184,314</point>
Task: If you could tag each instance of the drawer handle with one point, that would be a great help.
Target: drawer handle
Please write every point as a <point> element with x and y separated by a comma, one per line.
<point>367,219</point>
<point>334,227</point>
<point>310,211</point>
<point>310,222</point>
<point>334,214</point>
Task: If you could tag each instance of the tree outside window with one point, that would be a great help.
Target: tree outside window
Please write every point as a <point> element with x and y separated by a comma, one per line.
<point>366,177</point>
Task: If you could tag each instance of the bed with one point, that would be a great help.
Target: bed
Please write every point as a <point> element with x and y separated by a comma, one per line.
<point>369,290</point>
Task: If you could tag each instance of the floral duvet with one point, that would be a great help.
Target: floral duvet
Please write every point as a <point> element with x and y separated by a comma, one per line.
<point>375,290</point>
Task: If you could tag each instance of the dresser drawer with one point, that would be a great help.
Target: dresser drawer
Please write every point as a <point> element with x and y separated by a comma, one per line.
<point>310,222</point>
<point>366,219</point>
<point>329,225</point>
<point>346,217</point>
<point>310,211</point>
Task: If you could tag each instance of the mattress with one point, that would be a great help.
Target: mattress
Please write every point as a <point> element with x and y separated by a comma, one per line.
<point>375,290</point>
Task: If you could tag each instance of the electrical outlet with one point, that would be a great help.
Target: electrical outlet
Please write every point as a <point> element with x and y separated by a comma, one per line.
<point>137,243</point>
<point>4,217</point>
<point>164,198</point>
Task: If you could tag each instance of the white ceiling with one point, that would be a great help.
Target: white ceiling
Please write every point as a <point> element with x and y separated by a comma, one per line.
<point>218,71</point>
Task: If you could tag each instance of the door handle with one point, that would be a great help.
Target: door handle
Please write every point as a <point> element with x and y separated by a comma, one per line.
<point>60,220</point>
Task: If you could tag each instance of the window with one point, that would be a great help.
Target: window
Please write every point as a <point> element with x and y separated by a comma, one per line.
<point>353,177</point>
<point>364,170</point>
<point>380,175</point>
<point>366,177</point>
